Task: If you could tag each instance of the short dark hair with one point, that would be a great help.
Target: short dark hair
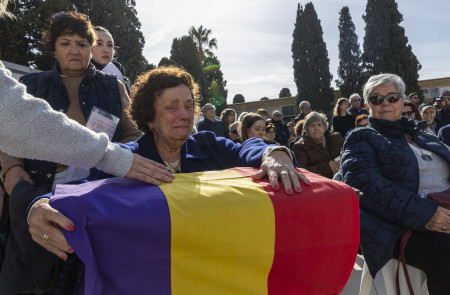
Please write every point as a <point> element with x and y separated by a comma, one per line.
<point>68,24</point>
<point>150,85</point>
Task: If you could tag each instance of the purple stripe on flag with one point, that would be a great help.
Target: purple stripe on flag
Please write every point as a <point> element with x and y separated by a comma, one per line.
<point>144,268</point>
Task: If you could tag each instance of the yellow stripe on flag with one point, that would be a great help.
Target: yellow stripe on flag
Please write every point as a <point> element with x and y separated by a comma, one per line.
<point>223,234</point>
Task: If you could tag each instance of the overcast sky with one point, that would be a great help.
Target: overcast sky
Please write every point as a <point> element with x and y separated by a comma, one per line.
<point>255,36</point>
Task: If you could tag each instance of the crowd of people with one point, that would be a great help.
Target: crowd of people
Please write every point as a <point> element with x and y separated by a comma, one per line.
<point>391,148</point>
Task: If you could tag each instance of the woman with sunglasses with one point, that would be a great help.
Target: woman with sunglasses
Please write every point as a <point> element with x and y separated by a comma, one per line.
<point>76,88</point>
<point>362,121</point>
<point>410,110</point>
<point>396,165</point>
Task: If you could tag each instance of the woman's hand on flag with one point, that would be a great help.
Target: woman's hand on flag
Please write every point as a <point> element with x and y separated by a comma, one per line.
<point>278,165</point>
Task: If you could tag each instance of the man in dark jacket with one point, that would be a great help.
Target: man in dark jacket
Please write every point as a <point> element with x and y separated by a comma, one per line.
<point>305,109</point>
<point>210,123</point>
<point>283,134</point>
<point>355,106</point>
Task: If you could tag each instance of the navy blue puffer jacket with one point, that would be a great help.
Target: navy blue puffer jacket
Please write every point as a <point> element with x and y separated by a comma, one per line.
<point>378,161</point>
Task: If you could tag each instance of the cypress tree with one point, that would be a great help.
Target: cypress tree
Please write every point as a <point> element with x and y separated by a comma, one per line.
<point>184,54</point>
<point>350,68</point>
<point>386,48</point>
<point>311,63</point>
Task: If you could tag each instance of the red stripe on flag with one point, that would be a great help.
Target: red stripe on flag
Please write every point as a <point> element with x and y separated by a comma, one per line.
<point>316,236</point>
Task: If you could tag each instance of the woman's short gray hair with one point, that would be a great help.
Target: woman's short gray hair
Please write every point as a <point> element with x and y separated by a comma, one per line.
<point>314,117</point>
<point>383,80</point>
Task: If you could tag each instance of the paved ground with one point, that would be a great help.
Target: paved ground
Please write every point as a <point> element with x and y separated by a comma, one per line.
<point>352,287</point>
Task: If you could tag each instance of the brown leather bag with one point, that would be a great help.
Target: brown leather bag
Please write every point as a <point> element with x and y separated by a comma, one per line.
<point>443,198</point>
<point>402,260</point>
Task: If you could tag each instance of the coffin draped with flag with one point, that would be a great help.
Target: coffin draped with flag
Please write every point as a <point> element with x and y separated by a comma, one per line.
<point>216,232</point>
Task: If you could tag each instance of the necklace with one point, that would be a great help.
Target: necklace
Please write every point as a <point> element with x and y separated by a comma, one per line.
<point>423,155</point>
<point>174,167</point>
<point>177,164</point>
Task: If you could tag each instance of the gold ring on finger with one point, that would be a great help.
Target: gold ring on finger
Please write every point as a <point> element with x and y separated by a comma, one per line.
<point>45,239</point>
<point>444,228</point>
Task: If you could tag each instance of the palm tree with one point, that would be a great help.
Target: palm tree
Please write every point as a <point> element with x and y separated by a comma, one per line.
<point>202,42</point>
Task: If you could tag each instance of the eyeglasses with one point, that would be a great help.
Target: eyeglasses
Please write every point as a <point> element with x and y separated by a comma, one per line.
<point>271,132</point>
<point>60,15</point>
<point>409,113</point>
<point>357,99</point>
<point>209,109</point>
<point>277,115</point>
<point>306,108</point>
<point>234,131</point>
<point>379,99</point>
<point>363,125</point>
<point>415,97</point>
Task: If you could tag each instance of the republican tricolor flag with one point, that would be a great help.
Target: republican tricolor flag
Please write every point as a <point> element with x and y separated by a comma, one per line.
<point>212,233</point>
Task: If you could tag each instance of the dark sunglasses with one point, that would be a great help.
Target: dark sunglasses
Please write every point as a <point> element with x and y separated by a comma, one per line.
<point>357,99</point>
<point>234,131</point>
<point>363,125</point>
<point>307,108</point>
<point>60,15</point>
<point>278,115</point>
<point>379,99</point>
<point>409,113</point>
